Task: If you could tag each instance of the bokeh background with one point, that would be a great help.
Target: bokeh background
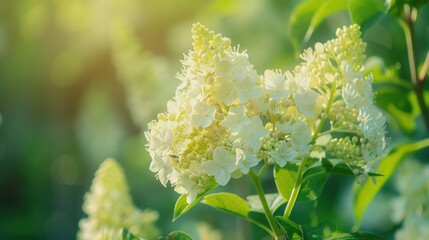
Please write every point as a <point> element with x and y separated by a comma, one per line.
<point>80,79</point>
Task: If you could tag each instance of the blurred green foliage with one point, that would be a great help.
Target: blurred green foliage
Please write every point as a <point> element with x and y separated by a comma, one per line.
<point>80,79</point>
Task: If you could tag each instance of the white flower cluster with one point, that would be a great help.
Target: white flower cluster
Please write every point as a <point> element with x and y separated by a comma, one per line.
<point>225,118</point>
<point>412,205</point>
<point>110,208</point>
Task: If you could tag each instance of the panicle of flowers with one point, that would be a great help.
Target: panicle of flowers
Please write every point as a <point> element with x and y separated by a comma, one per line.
<point>225,119</point>
<point>325,107</point>
<point>207,135</point>
<point>110,208</point>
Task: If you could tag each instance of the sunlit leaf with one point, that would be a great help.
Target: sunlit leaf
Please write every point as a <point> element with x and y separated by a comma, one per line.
<point>228,202</point>
<point>285,179</point>
<point>364,194</point>
<point>181,206</point>
<point>234,204</point>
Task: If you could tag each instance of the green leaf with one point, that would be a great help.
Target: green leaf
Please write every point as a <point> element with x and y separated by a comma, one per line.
<point>285,177</point>
<point>364,194</point>
<point>314,180</point>
<point>367,12</point>
<point>274,201</point>
<point>340,168</point>
<point>326,9</point>
<point>308,15</point>
<point>127,235</point>
<point>181,207</point>
<point>353,236</point>
<point>231,203</point>
<point>319,231</point>
<point>176,235</point>
<point>299,21</point>
<point>292,229</point>
<point>228,202</point>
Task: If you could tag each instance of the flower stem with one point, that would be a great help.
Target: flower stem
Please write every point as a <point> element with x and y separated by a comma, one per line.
<point>407,25</point>
<point>295,190</point>
<point>298,182</point>
<point>278,233</point>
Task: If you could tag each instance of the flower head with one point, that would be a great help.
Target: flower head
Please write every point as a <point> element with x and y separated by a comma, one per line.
<point>110,208</point>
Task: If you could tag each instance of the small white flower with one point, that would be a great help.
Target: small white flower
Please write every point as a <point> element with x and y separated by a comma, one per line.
<point>245,160</point>
<point>221,167</point>
<point>274,84</point>
<point>162,166</point>
<point>253,132</point>
<point>236,119</point>
<point>187,186</point>
<point>305,101</point>
<point>357,92</point>
<point>283,154</point>
<point>301,138</point>
<point>202,115</point>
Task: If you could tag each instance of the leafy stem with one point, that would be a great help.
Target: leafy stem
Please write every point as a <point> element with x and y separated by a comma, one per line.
<point>407,24</point>
<point>278,233</point>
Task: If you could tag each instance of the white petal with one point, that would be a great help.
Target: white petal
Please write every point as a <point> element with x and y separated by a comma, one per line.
<point>301,137</point>
<point>202,115</point>
<point>235,119</point>
<point>222,177</point>
<point>210,167</point>
<point>305,101</point>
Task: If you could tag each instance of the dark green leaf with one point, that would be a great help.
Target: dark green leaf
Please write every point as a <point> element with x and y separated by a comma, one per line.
<point>341,168</point>
<point>181,206</point>
<point>319,231</point>
<point>308,15</point>
<point>126,235</point>
<point>367,12</point>
<point>353,236</point>
<point>299,21</point>
<point>364,194</point>
<point>292,229</point>
<point>176,235</point>
<point>314,180</point>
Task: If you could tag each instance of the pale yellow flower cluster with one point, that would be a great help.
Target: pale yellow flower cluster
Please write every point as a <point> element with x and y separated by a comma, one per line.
<point>225,118</point>
<point>110,208</point>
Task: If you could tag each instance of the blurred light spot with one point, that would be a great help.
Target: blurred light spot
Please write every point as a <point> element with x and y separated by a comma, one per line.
<point>65,170</point>
<point>34,21</point>
<point>66,68</point>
